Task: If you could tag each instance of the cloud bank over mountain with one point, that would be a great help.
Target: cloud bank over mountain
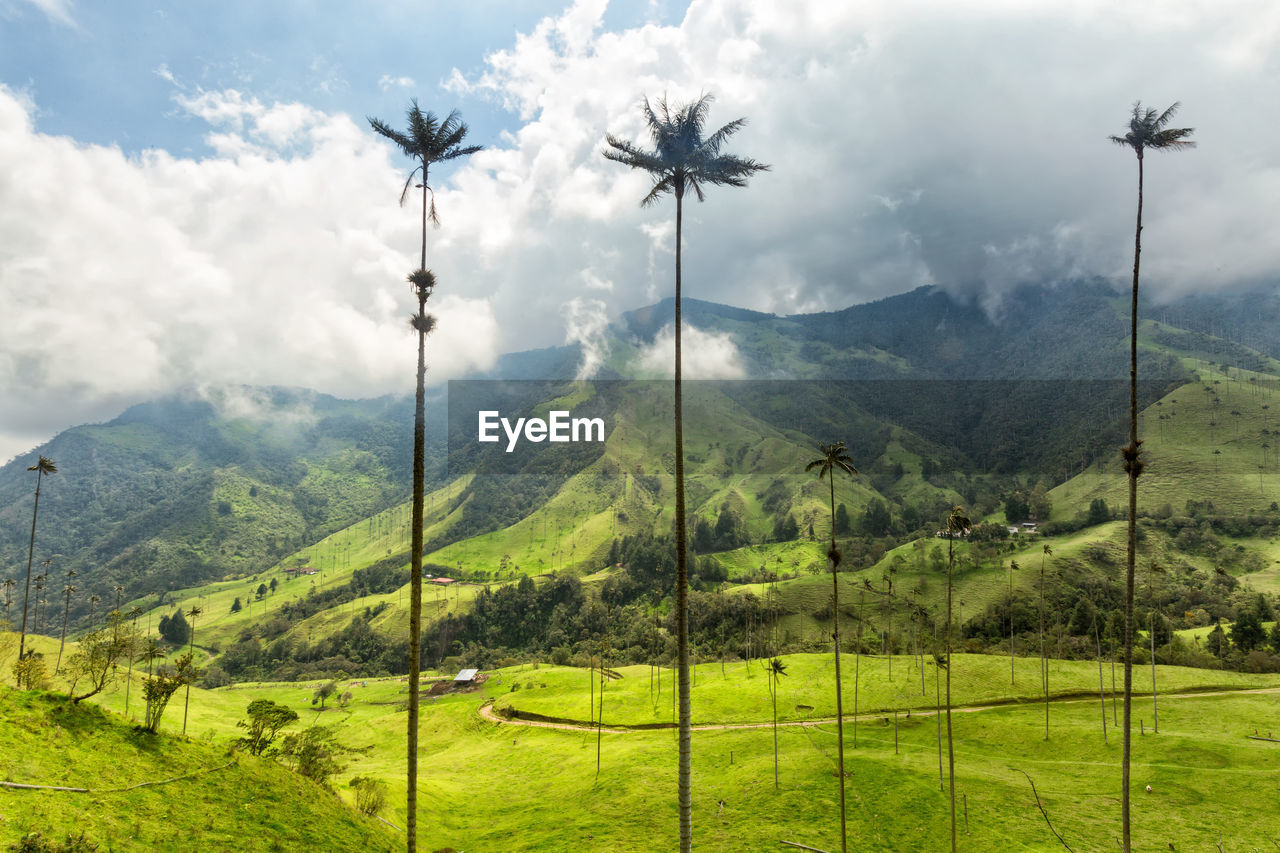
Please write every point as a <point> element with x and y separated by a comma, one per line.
<point>956,144</point>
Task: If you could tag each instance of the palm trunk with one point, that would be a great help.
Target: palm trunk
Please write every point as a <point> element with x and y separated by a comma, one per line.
<point>1102,694</point>
<point>62,641</point>
<point>186,701</point>
<point>685,780</point>
<point>415,563</point>
<point>1044,655</point>
<point>129,680</point>
<point>951,753</point>
<point>31,550</point>
<point>1133,468</point>
<point>835,636</point>
<point>1155,708</point>
<point>774,691</point>
<point>1013,679</point>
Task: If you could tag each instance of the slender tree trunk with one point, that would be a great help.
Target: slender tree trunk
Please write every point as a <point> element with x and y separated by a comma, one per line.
<point>835,636</point>
<point>1133,468</point>
<point>600,719</point>
<point>415,563</point>
<point>774,692</point>
<point>129,680</point>
<point>951,753</point>
<point>857,666</point>
<point>1102,694</point>
<point>31,550</point>
<point>1155,708</point>
<point>937,705</point>
<point>62,641</point>
<point>1013,679</point>
<point>1044,655</point>
<point>685,782</point>
<point>186,701</point>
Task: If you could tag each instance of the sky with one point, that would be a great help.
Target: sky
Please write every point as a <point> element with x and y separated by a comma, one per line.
<point>191,195</point>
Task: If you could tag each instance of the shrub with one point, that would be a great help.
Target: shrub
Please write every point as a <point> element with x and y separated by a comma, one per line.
<point>371,794</point>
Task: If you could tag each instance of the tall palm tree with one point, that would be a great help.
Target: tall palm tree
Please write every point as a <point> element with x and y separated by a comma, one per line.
<point>134,613</point>
<point>9,584</point>
<point>958,525</point>
<point>835,457</point>
<point>1044,650</point>
<point>191,645</point>
<point>1148,129</point>
<point>777,669</point>
<point>66,611</point>
<point>1013,677</point>
<point>427,141</point>
<point>682,160</point>
<point>42,467</point>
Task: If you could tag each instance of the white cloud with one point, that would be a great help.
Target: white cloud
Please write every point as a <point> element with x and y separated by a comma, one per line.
<point>386,82</point>
<point>58,11</point>
<point>281,260</point>
<point>703,355</point>
<point>586,324</point>
<point>959,143</point>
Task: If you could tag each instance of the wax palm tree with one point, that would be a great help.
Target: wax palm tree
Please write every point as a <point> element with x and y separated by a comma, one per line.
<point>134,613</point>
<point>93,602</point>
<point>1045,553</point>
<point>66,611</point>
<point>1148,130</point>
<point>777,669</point>
<point>191,645</point>
<point>427,141</point>
<point>835,457</point>
<point>958,525</point>
<point>1013,678</point>
<point>43,467</point>
<point>682,160</point>
<point>9,584</point>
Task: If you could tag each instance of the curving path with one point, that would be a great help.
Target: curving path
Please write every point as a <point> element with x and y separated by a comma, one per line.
<point>486,712</point>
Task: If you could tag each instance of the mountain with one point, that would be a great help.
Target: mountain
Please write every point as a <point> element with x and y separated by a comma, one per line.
<point>941,401</point>
<point>191,488</point>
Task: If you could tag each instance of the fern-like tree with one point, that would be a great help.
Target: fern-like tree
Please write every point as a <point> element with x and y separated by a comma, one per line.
<point>43,467</point>
<point>427,141</point>
<point>1148,131</point>
<point>683,160</point>
<point>835,457</point>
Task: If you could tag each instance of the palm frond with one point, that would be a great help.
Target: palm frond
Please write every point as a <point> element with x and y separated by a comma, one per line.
<point>1147,130</point>
<point>681,159</point>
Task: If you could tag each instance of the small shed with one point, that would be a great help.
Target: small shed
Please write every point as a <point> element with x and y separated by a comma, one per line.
<point>466,677</point>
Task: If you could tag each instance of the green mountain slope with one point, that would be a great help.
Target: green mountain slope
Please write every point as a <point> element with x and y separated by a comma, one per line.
<point>205,798</point>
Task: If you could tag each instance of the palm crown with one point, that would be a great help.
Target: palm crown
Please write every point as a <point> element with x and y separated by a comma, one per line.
<point>428,140</point>
<point>835,457</point>
<point>1148,129</point>
<point>682,159</point>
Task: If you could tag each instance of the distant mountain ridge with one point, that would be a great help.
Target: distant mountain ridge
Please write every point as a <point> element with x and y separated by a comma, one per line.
<point>190,488</point>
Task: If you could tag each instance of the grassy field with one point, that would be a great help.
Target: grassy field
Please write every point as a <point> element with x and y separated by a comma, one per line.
<point>217,801</point>
<point>490,787</point>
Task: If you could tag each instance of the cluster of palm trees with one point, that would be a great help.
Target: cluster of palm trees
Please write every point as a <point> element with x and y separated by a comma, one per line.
<point>685,159</point>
